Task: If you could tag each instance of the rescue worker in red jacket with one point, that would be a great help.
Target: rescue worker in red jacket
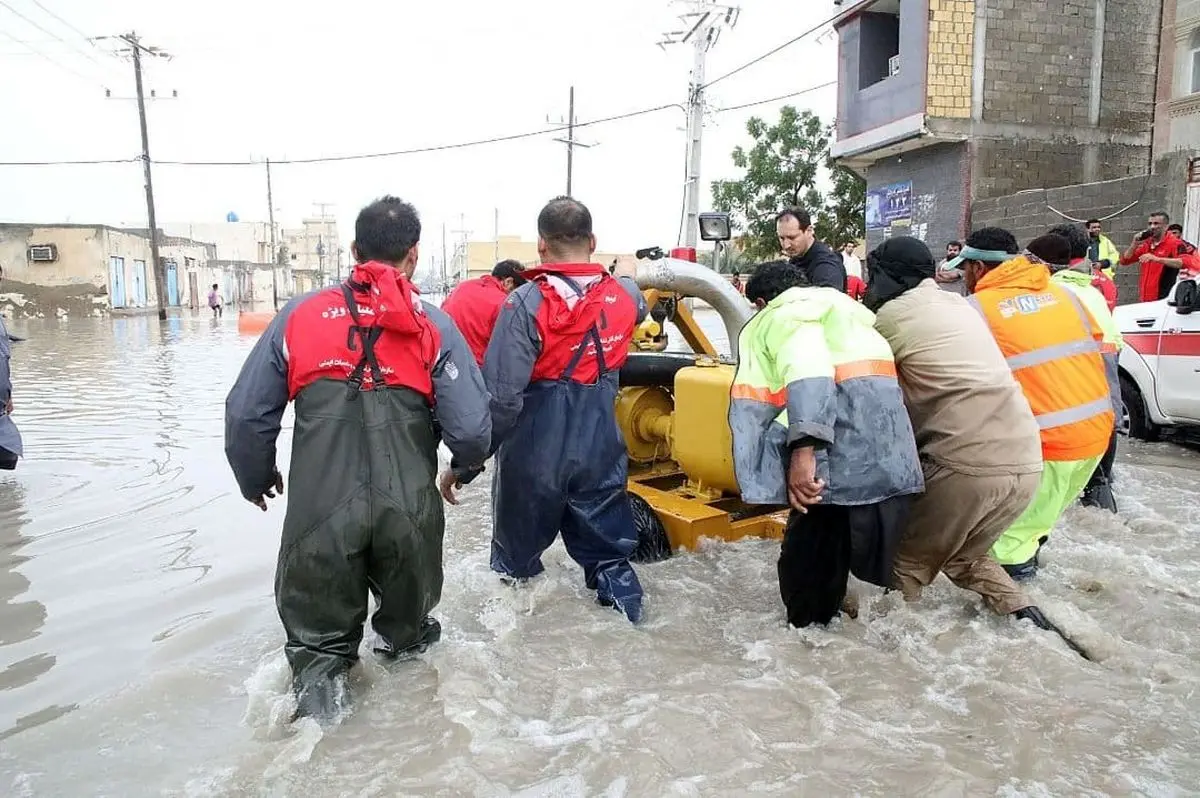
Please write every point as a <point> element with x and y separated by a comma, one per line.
<point>552,369</point>
<point>474,304</point>
<point>1161,254</point>
<point>377,376</point>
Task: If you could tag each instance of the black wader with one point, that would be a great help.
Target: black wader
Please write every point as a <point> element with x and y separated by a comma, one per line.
<point>363,514</point>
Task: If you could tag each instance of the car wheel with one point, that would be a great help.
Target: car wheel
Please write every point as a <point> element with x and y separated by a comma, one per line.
<point>1136,421</point>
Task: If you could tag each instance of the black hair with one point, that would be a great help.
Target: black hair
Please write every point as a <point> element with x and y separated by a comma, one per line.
<point>1163,214</point>
<point>1052,248</point>
<point>214,286</point>
<point>993,238</point>
<point>953,244</point>
<point>772,279</point>
<point>386,230</point>
<point>564,221</point>
<point>1076,236</point>
<point>799,214</point>
<point>509,268</point>
<point>1178,227</point>
<point>1091,222</point>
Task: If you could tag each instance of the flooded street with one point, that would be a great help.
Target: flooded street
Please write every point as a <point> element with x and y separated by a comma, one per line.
<point>141,655</point>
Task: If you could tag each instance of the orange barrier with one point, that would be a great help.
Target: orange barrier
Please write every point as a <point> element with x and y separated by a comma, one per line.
<point>253,323</point>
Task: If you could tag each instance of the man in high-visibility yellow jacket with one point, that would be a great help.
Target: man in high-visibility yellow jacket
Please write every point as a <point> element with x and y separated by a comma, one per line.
<point>1053,346</point>
<point>1076,275</point>
<point>1102,250</point>
<point>819,422</point>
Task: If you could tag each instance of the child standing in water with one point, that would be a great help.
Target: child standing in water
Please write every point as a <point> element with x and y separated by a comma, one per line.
<point>214,301</point>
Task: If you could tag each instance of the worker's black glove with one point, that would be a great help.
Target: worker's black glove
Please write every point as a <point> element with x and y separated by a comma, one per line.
<point>465,474</point>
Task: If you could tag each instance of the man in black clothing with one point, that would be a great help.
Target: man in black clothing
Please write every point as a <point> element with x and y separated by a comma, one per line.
<point>797,238</point>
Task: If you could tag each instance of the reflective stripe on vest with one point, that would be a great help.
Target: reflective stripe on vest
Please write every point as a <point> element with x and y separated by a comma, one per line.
<point>843,371</point>
<point>1072,415</point>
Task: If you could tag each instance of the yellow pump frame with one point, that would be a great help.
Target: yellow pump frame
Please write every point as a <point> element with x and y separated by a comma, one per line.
<point>688,509</point>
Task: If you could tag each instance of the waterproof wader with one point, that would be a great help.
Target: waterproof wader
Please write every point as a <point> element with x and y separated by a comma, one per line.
<point>563,468</point>
<point>1098,492</point>
<point>822,547</point>
<point>363,514</point>
<point>1062,482</point>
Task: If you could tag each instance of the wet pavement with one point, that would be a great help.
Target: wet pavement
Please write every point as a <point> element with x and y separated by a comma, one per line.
<point>140,653</point>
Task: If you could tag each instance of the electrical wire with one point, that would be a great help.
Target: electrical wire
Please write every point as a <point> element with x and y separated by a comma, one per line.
<point>420,150</point>
<point>414,150</point>
<point>63,21</point>
<point>85,54</point>
<point>773,51</point>
<point>62,66</point>
<point>789,96</point>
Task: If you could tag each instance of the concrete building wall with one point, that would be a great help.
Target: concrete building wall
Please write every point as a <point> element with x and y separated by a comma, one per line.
<point>1177,112</point>
<point>482,256</point>
<point>940,177</point>
<point>1028,214</point>
<point>863,108</point>
<point>1068,92</point>
<point>249,241</point>
<point>951,58</point>
<point>305,242</point>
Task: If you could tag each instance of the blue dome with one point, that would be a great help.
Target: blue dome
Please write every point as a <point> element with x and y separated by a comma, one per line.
<point>231,217</point>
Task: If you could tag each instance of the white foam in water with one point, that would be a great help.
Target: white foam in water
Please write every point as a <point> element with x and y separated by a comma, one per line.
<point>170,652</point>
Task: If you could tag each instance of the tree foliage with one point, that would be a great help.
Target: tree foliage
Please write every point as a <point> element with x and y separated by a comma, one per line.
<point>782,169</point>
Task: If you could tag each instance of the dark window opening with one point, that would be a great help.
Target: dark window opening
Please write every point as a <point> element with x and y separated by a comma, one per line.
<point>879,44</point>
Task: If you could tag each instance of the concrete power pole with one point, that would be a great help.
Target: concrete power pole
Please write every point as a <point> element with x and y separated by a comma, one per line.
<point>704,24</point>
<point>570,140</point>
<point>442,271</point>
<point>463,270</point>
<point>274,248</point>
<point>137,49</point>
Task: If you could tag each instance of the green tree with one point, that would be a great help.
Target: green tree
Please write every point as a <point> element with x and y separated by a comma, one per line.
<point>782,169</point>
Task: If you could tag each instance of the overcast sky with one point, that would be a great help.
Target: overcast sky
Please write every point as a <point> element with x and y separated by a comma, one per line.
<point>298,80</point>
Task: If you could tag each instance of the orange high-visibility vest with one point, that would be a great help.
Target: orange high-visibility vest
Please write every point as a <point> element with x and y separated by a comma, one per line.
<point>1053,347</point>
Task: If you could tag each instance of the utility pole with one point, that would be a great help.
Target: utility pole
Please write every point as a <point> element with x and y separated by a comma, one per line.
<point>137,49</point>
<point>442,273</point>
<point>323,215</point>
<point>274,249</point>
<point>462,247</point>
<point>704,24</point>
<point>570,140</point>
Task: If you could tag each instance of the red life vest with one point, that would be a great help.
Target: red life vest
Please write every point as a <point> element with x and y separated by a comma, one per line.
<point>474,306</point>
<point>605,307</point>
<point>322,344</point>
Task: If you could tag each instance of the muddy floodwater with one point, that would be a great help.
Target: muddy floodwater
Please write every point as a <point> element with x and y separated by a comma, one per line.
<point>140,652</point>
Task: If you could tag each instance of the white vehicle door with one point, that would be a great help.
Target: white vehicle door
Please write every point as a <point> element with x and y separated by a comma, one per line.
<point>1178,369</point>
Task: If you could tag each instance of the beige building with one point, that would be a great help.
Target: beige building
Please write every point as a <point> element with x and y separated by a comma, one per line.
<point>95,268</point>
<point>478,257</point>
<point>314,254</point>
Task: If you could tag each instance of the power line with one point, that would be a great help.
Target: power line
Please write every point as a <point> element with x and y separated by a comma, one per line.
<point>63,21</point>
<point>772,52</point>
<point>51,33</point>
<point>789,96</point>
<point>418,150</point>
<point>62,66</point>
<point>434,148</point>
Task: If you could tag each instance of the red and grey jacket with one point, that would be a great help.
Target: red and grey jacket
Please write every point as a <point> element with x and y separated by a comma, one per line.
<point>570,322</point>
<point>317,337</point>
<point>474,306</point>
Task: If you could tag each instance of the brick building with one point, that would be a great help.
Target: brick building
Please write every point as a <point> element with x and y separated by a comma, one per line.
<point>942,103</point>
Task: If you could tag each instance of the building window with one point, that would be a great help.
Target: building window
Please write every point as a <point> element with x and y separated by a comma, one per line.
<point>1195,83</point>
<point>879,43</point>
